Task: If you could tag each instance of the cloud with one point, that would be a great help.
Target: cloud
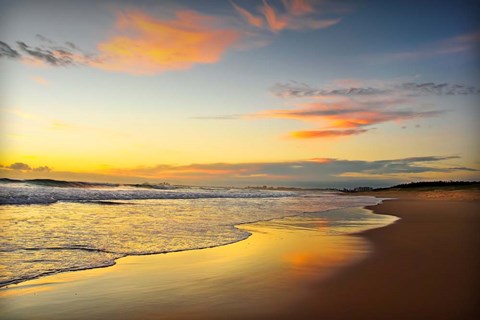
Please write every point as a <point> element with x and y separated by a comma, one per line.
<point>298,7</point>
<point>20,166</point>
<point>44,39</point>
<point>350,111</point>
<point>325,133</point>
<point>42,169</point>
<point>143,44</point>
<point>53,55</point>
<point>295,89</point>
<point>347,117</point>
<point>7,51</point>
<point>296,15</point>
<point>468,42</point>
<point>439,89</point>
<point>274,22</point>
<point>251,19</point>
<point>315,172</point>
<point>307,167</point>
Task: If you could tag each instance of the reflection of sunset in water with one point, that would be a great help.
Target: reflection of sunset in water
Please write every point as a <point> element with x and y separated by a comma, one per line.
<point>268,272</point>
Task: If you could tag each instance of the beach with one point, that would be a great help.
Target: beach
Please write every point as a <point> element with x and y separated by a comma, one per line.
<point>423,266</point>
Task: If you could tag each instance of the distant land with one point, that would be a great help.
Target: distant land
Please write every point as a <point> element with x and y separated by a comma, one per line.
<point>432,185</point>
<point>413,186</point>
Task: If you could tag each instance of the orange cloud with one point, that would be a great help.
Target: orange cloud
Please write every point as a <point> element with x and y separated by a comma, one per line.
<point>325,133</point>
<point>321,160</point>
<point>147,45</point>
<point>274,22</point>
<point>350,117</point>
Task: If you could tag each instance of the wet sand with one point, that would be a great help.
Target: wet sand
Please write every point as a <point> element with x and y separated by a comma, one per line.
<point>424,266</point>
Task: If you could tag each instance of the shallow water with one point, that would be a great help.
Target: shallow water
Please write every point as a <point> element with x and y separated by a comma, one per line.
<point>85,233</point>
<point>256,278</point>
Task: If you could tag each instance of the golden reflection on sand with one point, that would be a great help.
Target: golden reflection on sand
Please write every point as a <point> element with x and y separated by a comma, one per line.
<point>269,271</point>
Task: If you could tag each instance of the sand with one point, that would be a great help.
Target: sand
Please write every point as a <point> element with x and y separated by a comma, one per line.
<point>424,266</point>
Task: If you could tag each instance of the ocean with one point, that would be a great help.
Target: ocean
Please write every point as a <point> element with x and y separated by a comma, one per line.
<point>50,227</point>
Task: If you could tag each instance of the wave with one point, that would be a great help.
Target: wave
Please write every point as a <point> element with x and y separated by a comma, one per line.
<point>82,184</point>
<point>16,194</point>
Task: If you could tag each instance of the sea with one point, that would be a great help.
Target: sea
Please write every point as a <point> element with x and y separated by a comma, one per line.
<point>49,227</point>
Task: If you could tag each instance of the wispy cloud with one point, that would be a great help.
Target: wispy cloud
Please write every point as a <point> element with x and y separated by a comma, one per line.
<point>254,20</point>
<point>295,89</point>
<point>7,51</point>
<point>295,15</point>
<point>458,44</point>
<point>50,54</point>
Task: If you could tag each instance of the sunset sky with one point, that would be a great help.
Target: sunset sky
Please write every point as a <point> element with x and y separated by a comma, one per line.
<point>293,92</point>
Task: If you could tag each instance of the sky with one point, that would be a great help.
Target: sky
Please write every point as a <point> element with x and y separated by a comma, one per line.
<point>305,93</point>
